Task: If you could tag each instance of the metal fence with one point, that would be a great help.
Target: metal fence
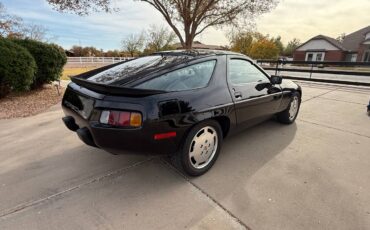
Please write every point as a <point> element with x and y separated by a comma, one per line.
<point>356,73</point>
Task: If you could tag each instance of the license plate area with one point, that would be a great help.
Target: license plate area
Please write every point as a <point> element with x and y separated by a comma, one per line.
<point>82,105</point>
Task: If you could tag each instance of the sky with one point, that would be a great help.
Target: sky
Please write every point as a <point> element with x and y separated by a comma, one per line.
<point>300,19</point>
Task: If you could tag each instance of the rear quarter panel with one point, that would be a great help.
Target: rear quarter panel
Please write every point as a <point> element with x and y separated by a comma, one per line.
<point>182,110</point>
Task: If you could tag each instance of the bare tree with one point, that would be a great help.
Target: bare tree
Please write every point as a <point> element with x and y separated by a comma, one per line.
<point>133,43</point>
<point>187,18</point>
<point>341,37</point>
<point>34,32</point>
<point>10,25</point>
<point>14,27</point>
<point>81,7</point>
<point>159,38</point>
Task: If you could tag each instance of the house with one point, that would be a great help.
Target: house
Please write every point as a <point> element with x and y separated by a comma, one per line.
<point>354,48</point>
<point>320,48</point>
<point>357,45</point>
<point>199,45</point>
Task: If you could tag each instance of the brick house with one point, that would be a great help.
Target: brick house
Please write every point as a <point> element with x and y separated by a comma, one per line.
<point>355,47</point>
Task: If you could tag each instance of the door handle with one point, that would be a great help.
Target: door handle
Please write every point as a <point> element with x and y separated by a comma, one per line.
<point>238,95</point>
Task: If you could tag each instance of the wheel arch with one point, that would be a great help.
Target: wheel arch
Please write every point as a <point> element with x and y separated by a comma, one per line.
<point>224,122</point>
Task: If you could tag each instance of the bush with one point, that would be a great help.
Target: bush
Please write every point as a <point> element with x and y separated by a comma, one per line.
<point>49,58</point>
<point>17,67</point>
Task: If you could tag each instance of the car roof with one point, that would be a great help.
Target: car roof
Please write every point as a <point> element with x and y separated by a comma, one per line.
<point>132,71</point>
<point>197,52</point>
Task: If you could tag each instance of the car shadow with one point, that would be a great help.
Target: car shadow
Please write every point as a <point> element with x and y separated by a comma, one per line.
<point>245,153</point>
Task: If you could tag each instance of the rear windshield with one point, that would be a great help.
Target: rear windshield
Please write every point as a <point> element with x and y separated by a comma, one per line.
<point>191,77</point>
<point>136,67</point>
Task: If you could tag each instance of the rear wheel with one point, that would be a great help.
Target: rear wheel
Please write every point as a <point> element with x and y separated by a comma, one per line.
<point>289,115</point>
<point>200,149</point>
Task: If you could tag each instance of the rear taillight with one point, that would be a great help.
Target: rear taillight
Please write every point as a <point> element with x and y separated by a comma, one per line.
<point>121,118</point>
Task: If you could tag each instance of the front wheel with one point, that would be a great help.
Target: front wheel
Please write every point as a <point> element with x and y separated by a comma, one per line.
<point>289,115</point>
<point>200,149</point>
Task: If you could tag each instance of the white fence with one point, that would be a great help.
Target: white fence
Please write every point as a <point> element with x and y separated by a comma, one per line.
<point>99,60</point>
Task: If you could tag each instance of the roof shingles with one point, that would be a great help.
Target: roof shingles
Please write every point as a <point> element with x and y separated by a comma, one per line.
<point>352,41</point>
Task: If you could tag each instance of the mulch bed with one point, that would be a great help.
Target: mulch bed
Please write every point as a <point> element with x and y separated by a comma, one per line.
<point>29,103</point>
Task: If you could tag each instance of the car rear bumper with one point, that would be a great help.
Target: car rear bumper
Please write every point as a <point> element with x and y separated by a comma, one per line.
<point>117,141</point>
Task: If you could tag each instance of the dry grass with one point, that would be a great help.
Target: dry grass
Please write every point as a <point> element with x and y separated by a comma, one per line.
<point>29,103</point>
<point>73,71</point>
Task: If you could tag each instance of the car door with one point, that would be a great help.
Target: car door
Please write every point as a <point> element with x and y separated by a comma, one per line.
<point>253,94</point>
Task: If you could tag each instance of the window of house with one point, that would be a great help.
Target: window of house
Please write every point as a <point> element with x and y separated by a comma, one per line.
<point>367,36</point>
<point>243,72</point>
<point>315,56</point>
<point>319,57</point>
<point>367,56</point>
<point>191,77</point>
<point>309,57</point>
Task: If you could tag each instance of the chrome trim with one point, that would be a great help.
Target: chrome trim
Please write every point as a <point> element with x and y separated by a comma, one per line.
<point>255,98</point>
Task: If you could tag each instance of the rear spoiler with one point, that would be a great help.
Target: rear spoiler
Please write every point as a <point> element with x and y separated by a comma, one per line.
<point>114,90</point>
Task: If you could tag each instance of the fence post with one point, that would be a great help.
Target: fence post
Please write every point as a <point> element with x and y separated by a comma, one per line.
<point>277,67</point>
<point>311,71</point>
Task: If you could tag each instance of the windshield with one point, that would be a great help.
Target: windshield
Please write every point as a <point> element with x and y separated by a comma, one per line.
<point>135,67</point>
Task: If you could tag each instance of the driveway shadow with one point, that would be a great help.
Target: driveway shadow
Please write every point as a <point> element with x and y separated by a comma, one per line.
<point>245,153</point>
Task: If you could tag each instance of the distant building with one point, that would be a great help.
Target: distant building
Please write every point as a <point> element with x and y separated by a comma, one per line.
<point>199,45</point>
<point>354,48</point>
<point>69,53</point>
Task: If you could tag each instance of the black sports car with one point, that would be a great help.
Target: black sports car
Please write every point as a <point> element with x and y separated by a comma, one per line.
<point>182,103</point>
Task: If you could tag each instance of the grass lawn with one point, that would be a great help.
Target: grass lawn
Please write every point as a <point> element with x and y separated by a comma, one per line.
<point>68,72</point>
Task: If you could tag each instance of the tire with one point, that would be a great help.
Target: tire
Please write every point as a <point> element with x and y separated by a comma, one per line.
<point>199,143</point>
<point>285,116</point>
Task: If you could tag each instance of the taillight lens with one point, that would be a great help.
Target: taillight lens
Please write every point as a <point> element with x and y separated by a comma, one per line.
<point>121,118</point>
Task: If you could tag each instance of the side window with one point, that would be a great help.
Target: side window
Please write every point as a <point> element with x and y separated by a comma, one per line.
<point>191,77</point>
<point>242,72</point>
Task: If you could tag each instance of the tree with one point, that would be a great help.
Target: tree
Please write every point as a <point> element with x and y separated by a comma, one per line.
<point>254,45</point>
<point>12,26</point>
<point>341,37</point>
<point>264,49</point>
<point>133,43</point>
<point>113,53</point>
<point>159,38</point>
<point>88,51</point>
<point>187,18</point>
<point>34,32</point>
<point>291,47</point>
<point>279,44</point>
<point>242,42</point>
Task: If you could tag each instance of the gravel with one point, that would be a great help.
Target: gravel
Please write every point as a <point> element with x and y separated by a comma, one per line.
<point>30,103</point>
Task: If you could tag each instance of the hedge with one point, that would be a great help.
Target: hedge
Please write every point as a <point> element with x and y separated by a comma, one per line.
<point>17,67</point>
<point>49,58</point>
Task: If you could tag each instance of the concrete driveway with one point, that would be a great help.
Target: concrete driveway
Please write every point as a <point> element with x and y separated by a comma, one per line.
<point>314,174</point>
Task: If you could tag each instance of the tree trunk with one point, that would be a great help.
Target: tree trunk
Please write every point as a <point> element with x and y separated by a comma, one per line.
<point>189,42</point>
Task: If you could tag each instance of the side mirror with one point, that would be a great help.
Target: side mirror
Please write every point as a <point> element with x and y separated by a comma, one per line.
<point>276,80</point>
